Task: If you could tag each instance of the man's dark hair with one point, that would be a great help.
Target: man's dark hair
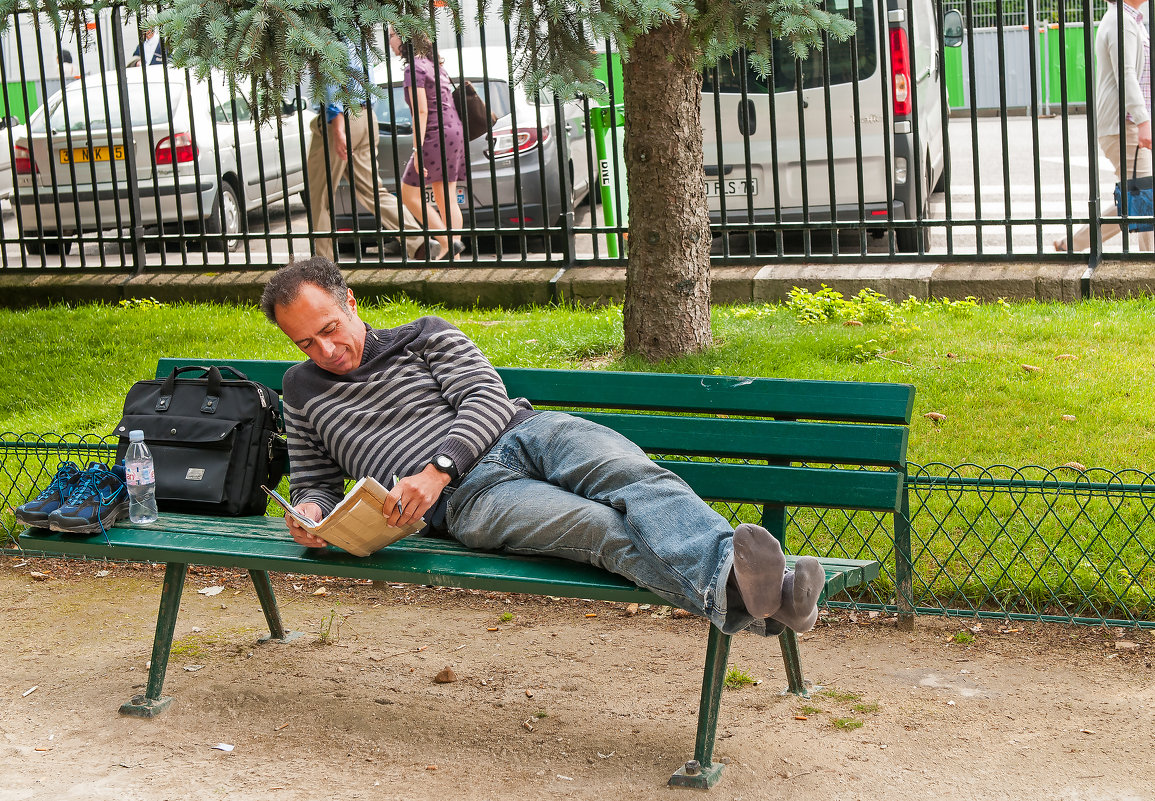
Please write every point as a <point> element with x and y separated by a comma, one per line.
<point>283,288</point>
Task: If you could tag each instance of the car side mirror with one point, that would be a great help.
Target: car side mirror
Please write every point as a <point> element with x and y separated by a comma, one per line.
<point>10,122</point>
<point>952,28</point>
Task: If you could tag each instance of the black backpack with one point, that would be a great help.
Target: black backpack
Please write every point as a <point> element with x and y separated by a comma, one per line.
<point>215,441</point>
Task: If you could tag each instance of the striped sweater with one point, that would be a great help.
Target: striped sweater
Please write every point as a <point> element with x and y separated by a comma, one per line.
<point>422,389</point>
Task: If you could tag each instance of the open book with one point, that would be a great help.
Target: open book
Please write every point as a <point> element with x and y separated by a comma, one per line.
<point>356,524</point>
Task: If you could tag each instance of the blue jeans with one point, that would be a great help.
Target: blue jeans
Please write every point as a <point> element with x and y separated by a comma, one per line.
<point>561,486</point>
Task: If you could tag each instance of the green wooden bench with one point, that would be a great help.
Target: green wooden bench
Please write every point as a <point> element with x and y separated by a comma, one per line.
<point>772,443</point>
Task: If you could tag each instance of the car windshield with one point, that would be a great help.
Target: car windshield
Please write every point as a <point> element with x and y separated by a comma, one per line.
<point>87,107</point>
<point>790,73</point>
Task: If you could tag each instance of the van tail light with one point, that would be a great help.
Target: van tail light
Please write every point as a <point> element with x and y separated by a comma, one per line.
<point>177,149</point>
<point>23,162</point>
<point>507,141</point>
<point>900,69</point>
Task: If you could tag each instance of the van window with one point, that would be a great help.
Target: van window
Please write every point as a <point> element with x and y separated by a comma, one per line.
<point>785,68</point>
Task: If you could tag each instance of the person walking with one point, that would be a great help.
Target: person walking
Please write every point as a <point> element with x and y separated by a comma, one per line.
<point>1128,150</point>
<point>344,135</point>
<point>438,159</point>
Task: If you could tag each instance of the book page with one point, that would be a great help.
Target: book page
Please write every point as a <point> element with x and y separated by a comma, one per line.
<point>356,524</point>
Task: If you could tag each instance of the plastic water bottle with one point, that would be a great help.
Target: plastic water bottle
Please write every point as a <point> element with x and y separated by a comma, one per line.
<point>140,476</point>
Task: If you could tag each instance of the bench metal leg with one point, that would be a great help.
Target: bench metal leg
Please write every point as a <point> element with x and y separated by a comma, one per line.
<point>795,684</point>
<point>264,589</point>
<point>700,772</point>
<point>151,703</point>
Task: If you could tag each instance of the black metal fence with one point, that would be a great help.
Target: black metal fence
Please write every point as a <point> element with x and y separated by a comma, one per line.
<point>930,135</point>
<point>1062,545</point>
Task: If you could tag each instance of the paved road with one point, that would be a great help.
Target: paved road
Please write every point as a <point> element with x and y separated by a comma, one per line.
<point>982,186</point>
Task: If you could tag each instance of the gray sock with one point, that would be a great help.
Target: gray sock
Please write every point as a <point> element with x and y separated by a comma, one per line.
<point>800,591</point>
<point>759,567</point>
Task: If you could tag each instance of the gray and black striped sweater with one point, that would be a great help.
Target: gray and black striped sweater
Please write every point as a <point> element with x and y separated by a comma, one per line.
<point>422,389</point>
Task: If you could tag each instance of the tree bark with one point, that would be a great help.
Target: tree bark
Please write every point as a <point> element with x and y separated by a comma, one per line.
<point>667,306</point>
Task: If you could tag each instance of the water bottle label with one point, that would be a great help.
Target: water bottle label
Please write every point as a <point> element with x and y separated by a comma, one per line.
<point>139,474</point>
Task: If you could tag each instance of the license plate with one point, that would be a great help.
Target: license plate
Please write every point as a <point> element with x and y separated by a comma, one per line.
<point>460,195</point>
<point>732,186</point>
<point>83,155</point>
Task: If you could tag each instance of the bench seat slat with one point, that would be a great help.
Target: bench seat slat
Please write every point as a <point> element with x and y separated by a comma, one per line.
<point>740,438</point>
<point>255,543</point>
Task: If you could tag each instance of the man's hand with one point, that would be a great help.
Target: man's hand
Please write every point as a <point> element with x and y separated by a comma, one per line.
<point>301,535</point>
<point>337,137</point>
<point>1145,134</point>
<point>413,496</point>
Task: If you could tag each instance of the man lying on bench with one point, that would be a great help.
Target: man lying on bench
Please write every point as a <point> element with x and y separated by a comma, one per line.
<point>420,401</point>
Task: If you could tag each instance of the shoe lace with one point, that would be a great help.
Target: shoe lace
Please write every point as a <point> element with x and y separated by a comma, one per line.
<point>59,483</point>
<point>86,487</point>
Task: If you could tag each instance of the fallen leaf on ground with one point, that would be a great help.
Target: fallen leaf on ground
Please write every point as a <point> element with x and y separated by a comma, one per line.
<point>936,416</point>
<point>223,747</point>
<point>1065,357</point>
<point>1030,368</point>
<point>102,573</point>
<point>1069,418</point>
<point>38,576</point>
<point>1126,645</point>
<point>321,591</point>
<point>853,323</point>
<point>210,591</point>
<point>681,613</point>
<point>1075,466</point>
<point>632,610</point>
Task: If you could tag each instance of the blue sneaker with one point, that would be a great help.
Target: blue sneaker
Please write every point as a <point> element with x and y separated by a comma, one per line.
<point>99,499</point>
<point>35,512</point>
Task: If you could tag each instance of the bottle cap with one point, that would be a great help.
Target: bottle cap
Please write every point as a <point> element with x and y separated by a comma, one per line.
<point>136,435</point>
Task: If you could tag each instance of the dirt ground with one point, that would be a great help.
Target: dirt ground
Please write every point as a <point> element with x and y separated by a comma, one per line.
<point>552,698</point>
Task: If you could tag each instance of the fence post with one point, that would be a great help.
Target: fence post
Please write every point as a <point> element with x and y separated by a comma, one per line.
<point>903,562</point>
<point>135,227</point>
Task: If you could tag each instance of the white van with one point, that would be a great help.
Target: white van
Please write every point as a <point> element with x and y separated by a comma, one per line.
<point>865,118</point>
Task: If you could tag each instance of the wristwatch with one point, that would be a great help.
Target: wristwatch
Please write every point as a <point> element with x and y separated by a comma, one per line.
<point>445,465</point>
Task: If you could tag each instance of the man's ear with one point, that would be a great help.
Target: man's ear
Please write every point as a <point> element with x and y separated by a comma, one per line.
<point>351,302</point>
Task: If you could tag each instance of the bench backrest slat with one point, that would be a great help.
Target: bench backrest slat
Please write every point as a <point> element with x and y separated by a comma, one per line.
<point>858,424</point>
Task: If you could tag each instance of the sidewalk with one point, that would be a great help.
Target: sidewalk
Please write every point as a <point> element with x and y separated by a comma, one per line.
<point>573,699</point>
<point>509,287</point>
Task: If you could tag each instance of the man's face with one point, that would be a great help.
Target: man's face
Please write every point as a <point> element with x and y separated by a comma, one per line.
<point>329,333</point>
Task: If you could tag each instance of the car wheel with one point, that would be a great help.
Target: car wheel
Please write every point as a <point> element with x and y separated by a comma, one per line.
<point>908,240</point>
<point>233,213</point>
<point>34,246</point>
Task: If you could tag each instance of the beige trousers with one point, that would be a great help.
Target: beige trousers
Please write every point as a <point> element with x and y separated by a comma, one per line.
<point>1141,165</point>
<point>323,180</point>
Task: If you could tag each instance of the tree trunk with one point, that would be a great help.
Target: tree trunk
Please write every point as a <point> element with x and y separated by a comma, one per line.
<point>667,306</point>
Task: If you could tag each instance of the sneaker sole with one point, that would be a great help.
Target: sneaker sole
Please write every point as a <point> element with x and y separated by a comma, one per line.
<point>37,522</point>
<point>114,513</point>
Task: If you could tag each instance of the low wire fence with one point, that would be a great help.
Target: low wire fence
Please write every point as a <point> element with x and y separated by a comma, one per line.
<point>1068,544</point>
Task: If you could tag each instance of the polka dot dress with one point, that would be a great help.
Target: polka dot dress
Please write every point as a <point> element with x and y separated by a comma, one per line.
<point>443,125</point>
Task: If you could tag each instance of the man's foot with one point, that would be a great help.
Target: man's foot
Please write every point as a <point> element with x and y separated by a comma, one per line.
<point>759,567</point>
<point>800,591</point>
<point>433,252</point>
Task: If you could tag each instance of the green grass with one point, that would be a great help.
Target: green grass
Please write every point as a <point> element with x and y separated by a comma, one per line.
<point>737,678</point>
<point>69,368</point>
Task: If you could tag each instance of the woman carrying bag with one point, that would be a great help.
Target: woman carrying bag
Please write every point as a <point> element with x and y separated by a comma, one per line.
<point>438,159</point>
<point>1130,88</point>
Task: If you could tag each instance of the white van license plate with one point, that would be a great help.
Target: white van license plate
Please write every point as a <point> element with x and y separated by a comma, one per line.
<point>732,186</point>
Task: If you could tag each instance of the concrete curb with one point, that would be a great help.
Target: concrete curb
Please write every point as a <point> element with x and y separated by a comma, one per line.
<point>490,287</point>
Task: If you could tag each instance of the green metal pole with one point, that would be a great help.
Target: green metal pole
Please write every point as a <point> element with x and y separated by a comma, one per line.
<point>701,772</point>
<point>151,704</point>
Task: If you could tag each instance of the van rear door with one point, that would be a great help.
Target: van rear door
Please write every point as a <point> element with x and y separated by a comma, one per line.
<point>823,111</point>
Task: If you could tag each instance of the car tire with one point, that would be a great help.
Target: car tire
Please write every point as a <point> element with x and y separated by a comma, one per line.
<point>34,246</point>
<point>227,236</point>
<point>908,240</point>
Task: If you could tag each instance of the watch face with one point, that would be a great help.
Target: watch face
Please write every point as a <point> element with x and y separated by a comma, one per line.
<point>443,463</point>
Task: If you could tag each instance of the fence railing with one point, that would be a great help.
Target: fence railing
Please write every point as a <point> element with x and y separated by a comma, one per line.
<point>1068,544</point>
<point>857,153</point>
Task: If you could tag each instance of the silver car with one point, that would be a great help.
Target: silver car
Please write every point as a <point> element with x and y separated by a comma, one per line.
<point>200,162</point>
<point>514,179</point>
